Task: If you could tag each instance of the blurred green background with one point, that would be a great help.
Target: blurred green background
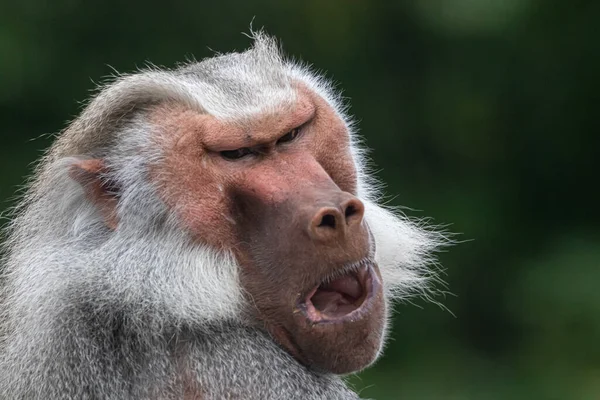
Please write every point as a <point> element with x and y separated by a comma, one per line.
<point>480,113</point>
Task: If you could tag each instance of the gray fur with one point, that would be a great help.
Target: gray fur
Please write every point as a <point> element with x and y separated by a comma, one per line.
<point>143,312</point>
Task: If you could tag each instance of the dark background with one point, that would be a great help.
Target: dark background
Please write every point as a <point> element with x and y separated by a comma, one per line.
<point>480,113</point>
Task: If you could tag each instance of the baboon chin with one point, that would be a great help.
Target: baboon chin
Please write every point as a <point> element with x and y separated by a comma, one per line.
<point>205,232</point>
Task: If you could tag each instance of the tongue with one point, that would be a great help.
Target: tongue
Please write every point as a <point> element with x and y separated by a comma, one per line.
<point>347,285</point>
<point>332,303</point>
<point>338,297</point>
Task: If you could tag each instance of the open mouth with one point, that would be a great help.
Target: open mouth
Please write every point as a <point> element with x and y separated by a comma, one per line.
<point>342,296</point>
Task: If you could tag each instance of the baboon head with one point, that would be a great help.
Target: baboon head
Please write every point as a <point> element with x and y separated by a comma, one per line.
<point>229,189</point>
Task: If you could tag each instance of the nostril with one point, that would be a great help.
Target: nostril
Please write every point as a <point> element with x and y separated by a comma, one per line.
<point>350,211</point>
<point>353,212</point>
<point>336,221</point>
<point>328,220</point>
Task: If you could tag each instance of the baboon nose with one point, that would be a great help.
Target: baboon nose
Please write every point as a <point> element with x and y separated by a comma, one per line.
<point>337,220</point>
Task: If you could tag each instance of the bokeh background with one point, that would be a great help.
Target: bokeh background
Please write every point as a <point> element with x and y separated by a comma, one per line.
<point>482,114</point>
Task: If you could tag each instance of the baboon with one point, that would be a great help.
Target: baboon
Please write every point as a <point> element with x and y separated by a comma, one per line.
<point>205,232</point>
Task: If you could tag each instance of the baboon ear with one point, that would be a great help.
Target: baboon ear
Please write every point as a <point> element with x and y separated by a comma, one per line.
<point>104,194</point>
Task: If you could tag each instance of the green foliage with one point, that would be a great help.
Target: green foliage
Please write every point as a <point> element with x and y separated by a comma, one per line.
<point>480,113</point>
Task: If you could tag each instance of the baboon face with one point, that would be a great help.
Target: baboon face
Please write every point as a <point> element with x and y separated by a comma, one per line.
<point>279,190</point>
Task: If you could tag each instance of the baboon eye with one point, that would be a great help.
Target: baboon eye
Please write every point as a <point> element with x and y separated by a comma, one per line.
<point>236,154</point>
<point>290,136</point>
